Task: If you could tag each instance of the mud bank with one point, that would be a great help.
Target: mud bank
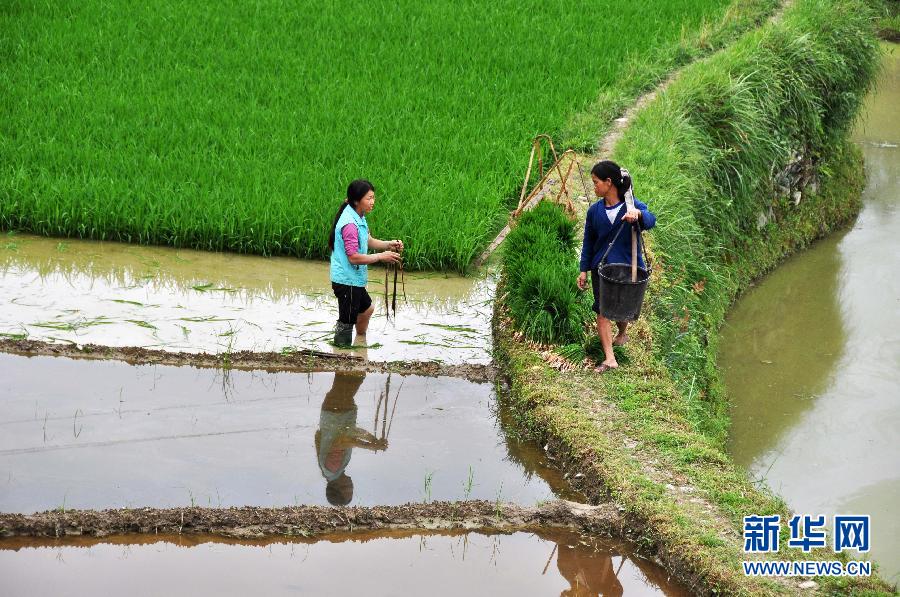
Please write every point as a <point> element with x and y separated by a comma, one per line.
<point>310,521</point>
<point>304,360</point>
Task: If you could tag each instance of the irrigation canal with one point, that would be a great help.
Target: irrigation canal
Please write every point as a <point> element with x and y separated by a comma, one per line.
<point>811,356</point>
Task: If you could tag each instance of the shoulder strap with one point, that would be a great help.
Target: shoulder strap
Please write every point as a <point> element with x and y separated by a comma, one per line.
<point>611,243</point>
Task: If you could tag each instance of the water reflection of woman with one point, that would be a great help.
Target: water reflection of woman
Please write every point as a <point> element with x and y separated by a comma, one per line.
<point>338,435</point>
<point>589,573</point>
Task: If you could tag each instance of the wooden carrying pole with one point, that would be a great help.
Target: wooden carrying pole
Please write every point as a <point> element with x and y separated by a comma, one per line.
<point>629,204</point>
<point>634,252</point>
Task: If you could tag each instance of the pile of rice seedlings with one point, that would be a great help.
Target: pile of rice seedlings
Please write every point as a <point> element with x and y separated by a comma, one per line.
<point>237,126</point>
<point>541,269</point>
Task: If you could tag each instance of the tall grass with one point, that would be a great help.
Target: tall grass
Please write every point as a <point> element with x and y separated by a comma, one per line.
<point>705,152</point>
<point>237,126</point>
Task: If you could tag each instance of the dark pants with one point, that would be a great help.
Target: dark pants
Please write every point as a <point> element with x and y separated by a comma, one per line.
<point>352,300</point>
<point>595,286</point>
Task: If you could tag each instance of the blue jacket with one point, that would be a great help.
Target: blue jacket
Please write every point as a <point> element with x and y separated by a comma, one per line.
<point>342,271</point>
<point>598,233</point>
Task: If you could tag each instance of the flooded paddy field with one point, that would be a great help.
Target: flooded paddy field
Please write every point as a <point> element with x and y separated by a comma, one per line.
<point>113,294</point>
<point>811,357</point>
<point>555,562</point>
<point>106,434</point>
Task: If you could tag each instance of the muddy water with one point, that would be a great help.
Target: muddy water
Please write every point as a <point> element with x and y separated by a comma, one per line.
<point>557,563</point>
<point>99,434</point>
<point>116,294</point>
<point>811,356</point>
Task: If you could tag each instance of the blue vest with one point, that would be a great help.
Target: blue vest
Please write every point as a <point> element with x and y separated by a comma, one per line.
<point>342,271</point>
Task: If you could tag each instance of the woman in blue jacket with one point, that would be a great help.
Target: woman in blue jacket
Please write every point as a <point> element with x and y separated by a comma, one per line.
<point>603,220</point>
<point>350,243</point>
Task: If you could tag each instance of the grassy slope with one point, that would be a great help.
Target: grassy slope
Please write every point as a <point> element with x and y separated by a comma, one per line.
<point>791,89</point>
<point>653,432</point>
<point>237,127</point>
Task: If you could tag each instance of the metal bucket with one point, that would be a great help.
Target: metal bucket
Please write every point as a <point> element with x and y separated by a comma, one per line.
<point>620,298</point>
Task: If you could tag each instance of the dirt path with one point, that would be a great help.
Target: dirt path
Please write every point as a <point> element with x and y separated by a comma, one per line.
<point>310,521</point>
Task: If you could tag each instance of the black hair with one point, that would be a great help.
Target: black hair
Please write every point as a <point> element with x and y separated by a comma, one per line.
<point>339,492</point>
<point>356,190</point>
<point>611,170</point>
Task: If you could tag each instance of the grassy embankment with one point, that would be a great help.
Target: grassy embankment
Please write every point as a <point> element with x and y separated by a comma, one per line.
<point>237,127</point>
<point>703,155</point>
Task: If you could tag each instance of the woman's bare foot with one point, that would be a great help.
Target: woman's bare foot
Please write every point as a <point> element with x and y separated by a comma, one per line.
<point>620,340</point>
<point>604,367</point>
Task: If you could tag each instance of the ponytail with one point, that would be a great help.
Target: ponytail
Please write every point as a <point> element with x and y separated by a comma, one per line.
<point>357,189</point>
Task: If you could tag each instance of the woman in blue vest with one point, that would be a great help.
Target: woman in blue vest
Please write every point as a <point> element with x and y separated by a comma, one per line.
<point>350,243</point>
<point>603,220</point>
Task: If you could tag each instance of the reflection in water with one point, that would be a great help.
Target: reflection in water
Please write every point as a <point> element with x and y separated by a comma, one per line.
<point>589,573</point>
<point>163,436</point>
<point>388,563</point>
<point>338,435</point>
<point>819,419</point>
<point>115,294</point>
<point>775,378</point>
<point>526,452</point>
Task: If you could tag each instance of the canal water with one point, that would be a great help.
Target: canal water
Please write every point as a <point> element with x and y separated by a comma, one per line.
<point>115,294</point>
<point>549,563</point>
<point>106,434</point>
<point>811,355</point>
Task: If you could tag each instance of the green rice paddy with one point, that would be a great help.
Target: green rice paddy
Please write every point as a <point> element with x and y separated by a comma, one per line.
<point>237,125</point>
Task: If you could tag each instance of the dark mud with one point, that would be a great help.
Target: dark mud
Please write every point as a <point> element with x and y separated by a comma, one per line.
<point>889,34</point>
<point>298,360</point>
<point>311,521</point>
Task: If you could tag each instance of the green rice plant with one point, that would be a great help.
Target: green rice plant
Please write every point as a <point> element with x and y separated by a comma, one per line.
<point>546,218</point>
<point>468,484</point>
<point>238,126</point>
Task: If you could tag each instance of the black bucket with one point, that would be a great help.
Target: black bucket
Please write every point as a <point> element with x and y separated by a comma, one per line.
<point>620,298</point>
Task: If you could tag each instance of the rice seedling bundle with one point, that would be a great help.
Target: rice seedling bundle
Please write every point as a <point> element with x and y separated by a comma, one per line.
<point>541,267</point>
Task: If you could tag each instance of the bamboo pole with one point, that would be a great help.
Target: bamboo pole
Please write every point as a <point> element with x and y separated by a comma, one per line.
<point>629,204</point>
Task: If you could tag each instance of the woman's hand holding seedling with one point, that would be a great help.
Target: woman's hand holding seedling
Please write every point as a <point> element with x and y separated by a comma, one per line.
<point>389,256</point>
